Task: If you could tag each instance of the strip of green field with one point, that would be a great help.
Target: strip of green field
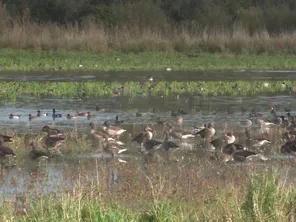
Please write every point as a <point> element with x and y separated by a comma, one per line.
<point>85,89</point>
<point>19,60</point>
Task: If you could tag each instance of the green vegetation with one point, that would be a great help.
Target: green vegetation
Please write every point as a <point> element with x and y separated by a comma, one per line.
<point>12,90</point>
<point>257,196</point>
<point>16,60</point>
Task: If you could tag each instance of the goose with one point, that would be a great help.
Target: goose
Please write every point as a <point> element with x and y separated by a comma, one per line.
<point>207,132</point>
<point>146,134</point>
<point>56,115</point>
<point>166,144</point>
<point>112,130</point>
<point>36,154</point>
<point>5,151</point>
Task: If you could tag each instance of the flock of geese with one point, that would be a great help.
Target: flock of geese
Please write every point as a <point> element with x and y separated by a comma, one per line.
<point>225,147</point>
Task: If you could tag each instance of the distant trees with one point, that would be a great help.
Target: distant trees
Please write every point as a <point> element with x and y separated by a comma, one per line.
<point>273,15</point>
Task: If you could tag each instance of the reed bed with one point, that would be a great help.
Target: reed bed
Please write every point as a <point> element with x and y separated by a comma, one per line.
<point>97,38</point>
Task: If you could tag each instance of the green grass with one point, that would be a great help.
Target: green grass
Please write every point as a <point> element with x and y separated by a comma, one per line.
<point>12,90</point>
<point>61,60</point>
<point>263,197</point>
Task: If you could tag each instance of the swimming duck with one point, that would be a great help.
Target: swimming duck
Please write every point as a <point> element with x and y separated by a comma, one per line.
<point>81,113</point>
<point>90,115</point>
<point>71,116</point>
<point>41,114</point>
<point>33,117</point>
<point>56,115</point>
<point>100,109</point>
<point>35,154</point>
<point>11,116</point>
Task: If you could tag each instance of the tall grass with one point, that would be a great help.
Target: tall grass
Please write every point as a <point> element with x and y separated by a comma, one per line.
<point>259,196</point>
<point>96,38</point>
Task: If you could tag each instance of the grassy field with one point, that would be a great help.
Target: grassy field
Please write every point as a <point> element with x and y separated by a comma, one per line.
<point>61,60</point>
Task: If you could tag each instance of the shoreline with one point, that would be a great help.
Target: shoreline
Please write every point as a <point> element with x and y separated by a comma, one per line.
<point>61,61</point>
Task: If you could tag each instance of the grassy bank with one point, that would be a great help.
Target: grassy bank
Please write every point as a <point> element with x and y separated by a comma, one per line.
<point>20,60</point>
<point>83,90</point>
<point>257,196</point>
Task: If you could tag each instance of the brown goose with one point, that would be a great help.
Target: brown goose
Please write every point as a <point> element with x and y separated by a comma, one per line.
<point>112,130</point>
<point>207,133</point>
<point>179,134</point>
<point>166,144</point>
<point>149,145</point>
<point>7,138</point>
<point>51,131</point>
<point>230,148</point>
<point>4,150</point>
<point>35,154</point>
<point>229,137</point>
<point>242,155</point>
<point>100,135</point>
<point>113,148</point>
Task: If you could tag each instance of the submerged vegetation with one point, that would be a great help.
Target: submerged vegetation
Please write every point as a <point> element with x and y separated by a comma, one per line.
<point>12,90</point>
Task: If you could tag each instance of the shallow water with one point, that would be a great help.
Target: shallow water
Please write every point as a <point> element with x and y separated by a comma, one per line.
<point>56,176</point>
<point>159,76</point>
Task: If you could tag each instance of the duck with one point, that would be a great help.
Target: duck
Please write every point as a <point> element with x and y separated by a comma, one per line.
<point>90,115</point>
<point>100,108</point>
<point>33,117</point>
<point>112,130</point>
<point>51,131</point>
<point>41,114</point>
<point>81,113</point>
<point>207,132</point>
<point>11,116</point>
<point>146,134</point>
<point>36,154</point>
<point>56,115</point>
<point>69,116</point>
<point>4,150</point>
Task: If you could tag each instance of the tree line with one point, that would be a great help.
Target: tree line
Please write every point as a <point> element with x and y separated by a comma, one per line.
<point>275,16</point>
